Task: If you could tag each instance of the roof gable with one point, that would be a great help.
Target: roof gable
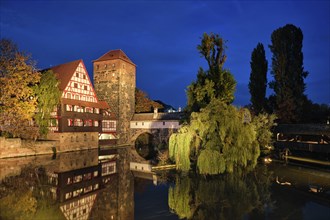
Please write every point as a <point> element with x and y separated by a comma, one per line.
<point>113,55</point>
<point>64,72</point>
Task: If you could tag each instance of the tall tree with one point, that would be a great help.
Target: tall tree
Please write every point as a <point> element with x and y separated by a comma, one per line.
<point>288,72</point>
<point>258,78</point>
<point>17,97</point>
<point>48,96</point>
<point>216,82</point>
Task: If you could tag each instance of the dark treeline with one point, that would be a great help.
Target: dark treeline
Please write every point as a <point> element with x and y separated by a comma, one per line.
<point>289,101</point>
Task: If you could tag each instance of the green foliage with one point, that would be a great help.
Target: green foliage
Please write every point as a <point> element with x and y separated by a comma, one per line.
<point>48,96</point>
<point>179,148</point>
<point>288,72</point>
<point>211,162</point>
<point>218,138</point>
<point>179,198</point>
<point>263,124</point>
<point>216,82</point>
<point>258,79</point>
<point>222,197</point>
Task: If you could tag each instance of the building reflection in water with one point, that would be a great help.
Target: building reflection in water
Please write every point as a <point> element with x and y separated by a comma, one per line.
<point>84,185</point>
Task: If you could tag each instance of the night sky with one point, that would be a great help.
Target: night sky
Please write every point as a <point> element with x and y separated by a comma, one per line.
<point>161,37</point>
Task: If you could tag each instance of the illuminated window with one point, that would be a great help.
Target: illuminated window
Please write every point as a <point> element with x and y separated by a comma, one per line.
<point>77,192</point>
<point>70,122</point>
<point>76,97</point>
<point>78,122</point>
<point>69,181</point>
<point>68,108</point>
<point>89,109</point>
<point>96,123</point>
<point>77,179</point>
<point>77,108</point>
<point>68,195</point>
<point>87,176</point>
<point>68,95</point>
<point>88,189</point>
<point>88,123</point>
<point>97,110</point>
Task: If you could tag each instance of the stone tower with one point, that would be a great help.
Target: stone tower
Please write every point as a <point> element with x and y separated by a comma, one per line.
<point>115,82</point>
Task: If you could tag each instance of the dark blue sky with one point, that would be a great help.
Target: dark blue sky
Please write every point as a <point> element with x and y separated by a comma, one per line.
<point>161,37</point>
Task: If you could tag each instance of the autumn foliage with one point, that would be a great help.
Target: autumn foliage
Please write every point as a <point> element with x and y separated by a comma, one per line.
<point>143,103</point>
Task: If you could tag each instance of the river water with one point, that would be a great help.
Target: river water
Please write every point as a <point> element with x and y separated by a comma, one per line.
<point>86,185</point>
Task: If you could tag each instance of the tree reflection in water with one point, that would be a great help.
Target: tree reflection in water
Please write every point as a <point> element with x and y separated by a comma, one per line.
<point>224,197</point>
<point>27,197</point>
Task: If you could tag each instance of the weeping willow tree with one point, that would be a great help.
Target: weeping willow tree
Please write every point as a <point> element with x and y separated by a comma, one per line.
<point>218,140</point>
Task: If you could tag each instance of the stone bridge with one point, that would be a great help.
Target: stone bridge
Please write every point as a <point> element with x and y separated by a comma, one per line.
<point>159,126</point>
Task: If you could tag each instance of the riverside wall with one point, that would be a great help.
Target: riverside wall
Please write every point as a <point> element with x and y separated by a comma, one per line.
<point>16,147</point>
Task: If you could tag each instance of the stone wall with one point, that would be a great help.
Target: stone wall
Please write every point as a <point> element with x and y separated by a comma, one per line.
<point>115,82</point>
<point>62,142</point>
<point>72,141</point>
<point>15,147</point>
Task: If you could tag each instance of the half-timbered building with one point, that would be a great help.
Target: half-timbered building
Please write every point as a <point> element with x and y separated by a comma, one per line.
<point>80,118</point>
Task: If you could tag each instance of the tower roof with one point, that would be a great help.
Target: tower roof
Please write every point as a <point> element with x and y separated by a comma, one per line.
<point>113,55</point>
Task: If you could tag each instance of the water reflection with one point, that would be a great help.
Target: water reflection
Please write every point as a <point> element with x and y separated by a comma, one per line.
<point>270,192</point>
<point>224,197</point>
<point>79,185</point>
<point>86,185</point>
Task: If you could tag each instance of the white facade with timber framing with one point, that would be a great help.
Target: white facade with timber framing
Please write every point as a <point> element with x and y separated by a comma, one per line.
<point>80,118</point>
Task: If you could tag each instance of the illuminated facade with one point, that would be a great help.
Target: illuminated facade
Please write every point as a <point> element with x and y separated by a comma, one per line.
<point>80,116</point>
<point>115,82</point>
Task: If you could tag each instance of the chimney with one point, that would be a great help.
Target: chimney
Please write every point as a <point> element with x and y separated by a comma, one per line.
<point>155,113</point>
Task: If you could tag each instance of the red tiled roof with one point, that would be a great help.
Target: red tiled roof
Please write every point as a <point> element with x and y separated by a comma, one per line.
<point>104,105</point>
<point>64,72</point>
<point>114,54</point>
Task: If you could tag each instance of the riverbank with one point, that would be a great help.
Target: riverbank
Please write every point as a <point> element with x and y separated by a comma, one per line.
<point>16,147</point>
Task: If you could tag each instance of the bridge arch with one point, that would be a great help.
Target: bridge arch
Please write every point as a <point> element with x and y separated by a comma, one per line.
<point>145,146</point>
